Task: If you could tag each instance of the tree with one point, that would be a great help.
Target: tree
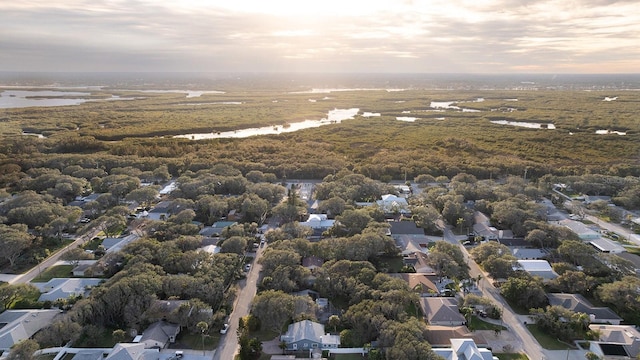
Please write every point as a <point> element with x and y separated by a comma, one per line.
<point>623,294</point>
<point>59,333</point>
<point>202,327</point>
<point>351,222</point>
<point>483,251</point>
<point>143,196</point>
<point>332,207</point>
<point>524,292</point>
<point>10,293</point>
<point>426,217</point>
<point>334,322</point>
<point>75,255</point>
<point>274,309</point>
<point>443,265</point>
<point>234,244</point>
<point>119,335</point>
<point>111,224</point>
<point>23,350</point>
<point>14,240</point>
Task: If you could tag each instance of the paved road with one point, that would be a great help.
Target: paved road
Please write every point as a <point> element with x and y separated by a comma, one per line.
<point>228,346</point>
<point>51,260</point>
<point>528,343</point>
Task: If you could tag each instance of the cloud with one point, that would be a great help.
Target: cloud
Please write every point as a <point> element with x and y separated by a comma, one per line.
<point>279,35</point>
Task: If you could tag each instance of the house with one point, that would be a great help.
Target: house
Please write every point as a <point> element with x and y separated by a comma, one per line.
<point>633,258</point>
<point>110,242</point>
<point>319,223</point>
<point>307,335</point>
<point>528,254</point>
<point>161,211</point>
<point>615,341</point>
<point>83,267</point>
<point>18,325</point>
<point>393,205</point>
<point>540,268</point>
<point>486,231</point>
<point>464,349</point>
<point>583,231</point>
<point>168,188</point>
<point>440,336</point>
<point>607,246</point>
<point>131,351</point>
<point>405,228</point>
<point>409,238</point>
<point>577,303</point>
<point>442,311</point>
<point>215,230</point>
<point>89,354</point>
<point>64,288</point>
<point>419,283</point>
<point>159,334</point>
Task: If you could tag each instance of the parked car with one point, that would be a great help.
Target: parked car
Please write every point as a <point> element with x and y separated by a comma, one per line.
<point>247,267</point>
<point>224,329</point>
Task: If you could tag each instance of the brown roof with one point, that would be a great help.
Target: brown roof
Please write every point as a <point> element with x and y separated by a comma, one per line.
<point>419,282</point>
<point>440,335</point>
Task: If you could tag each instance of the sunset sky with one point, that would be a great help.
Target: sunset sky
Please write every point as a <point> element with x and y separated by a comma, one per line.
<point>430,36</point>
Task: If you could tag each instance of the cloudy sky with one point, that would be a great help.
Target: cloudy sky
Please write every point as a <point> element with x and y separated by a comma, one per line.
<point>431,36</point>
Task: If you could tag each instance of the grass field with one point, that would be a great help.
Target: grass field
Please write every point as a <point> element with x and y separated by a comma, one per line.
<point>479,324</point>
<point>58,271</point>
<point>506,356</point>
<point>545,340</point>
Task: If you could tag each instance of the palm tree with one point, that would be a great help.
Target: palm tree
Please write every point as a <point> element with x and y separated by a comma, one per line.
<point>203,327</point>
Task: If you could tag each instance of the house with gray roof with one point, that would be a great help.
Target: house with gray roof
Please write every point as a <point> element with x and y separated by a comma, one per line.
<point>89,354</point>
<point>64,288</point>
<point>528,254</point>
<point>540,268</point>
<point>577,303</point>
<point>464,349</point>
<point>442,311</point>
<point>159,335</point>
<point>309,335</point>
<point>615,341</point>
<point>583,231</point>
<point>18,325</point>
<point>131,351</point>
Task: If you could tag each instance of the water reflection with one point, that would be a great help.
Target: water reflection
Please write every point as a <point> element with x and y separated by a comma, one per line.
<point>333,116</point>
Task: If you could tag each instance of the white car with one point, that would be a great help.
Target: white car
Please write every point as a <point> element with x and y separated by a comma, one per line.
<point>247,267</point>
<point>224,329</point>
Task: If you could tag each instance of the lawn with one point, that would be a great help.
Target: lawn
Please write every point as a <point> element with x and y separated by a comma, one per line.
<point>346,357</point>
<point>194,341</point>
<point>58,271</point>
<point>479,324</point>
<point>506,356</point>
<point>546,341</point>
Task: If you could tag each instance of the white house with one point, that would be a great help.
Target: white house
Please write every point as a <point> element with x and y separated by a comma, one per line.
<point>540,268</point>
<point>464,349</point>
<point>392,204</point>
<point>63,288</point>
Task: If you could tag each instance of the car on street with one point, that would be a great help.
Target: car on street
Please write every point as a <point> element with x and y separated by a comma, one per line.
<point>224,329</point>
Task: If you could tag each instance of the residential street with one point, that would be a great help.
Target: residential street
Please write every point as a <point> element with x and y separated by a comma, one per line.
<point>228,346</point>
<point>527,343</point>
<point>51,260</point>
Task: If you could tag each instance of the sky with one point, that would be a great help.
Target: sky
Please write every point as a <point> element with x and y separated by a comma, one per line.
<point>373,36</point>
